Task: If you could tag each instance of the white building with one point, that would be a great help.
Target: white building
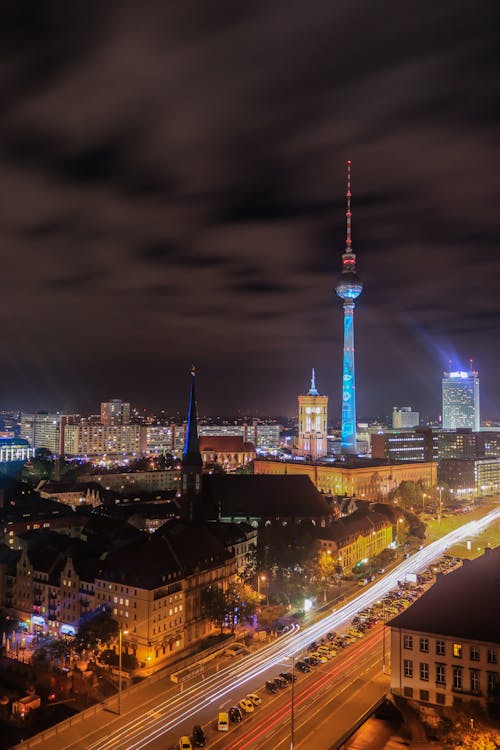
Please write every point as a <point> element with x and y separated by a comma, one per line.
<point>404,416</point>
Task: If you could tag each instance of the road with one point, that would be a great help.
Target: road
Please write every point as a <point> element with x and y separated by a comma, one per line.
<point>155,716</point>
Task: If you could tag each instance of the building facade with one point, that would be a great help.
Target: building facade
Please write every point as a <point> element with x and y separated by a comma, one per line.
<point>45,430</point>
<point>471,476</point>
<point>115,412</point>
<point>229,452</point>
<point>404,417</point>
<point>353,539</point>
<point>370,480</point>
<point>465,443</point>
<point>96,440</point>
<point>440,654</point>
<point>460,394</point>
<point>15,449</point>
<point>313,423</point>
<point>405,445</point>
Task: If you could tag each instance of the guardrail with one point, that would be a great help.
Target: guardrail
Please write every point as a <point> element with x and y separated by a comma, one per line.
<point>338,744</point>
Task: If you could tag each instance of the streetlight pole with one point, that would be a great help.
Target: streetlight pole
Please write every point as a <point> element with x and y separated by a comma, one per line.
<point>292,717</point>
<point>121,632</point>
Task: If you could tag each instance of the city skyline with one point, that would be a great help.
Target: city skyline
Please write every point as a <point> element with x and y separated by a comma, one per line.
<point>171,197</point>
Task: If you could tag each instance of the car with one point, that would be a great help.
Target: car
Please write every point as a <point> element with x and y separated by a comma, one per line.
<point>302,666</point>
<point>281,682</point>
<point>223,722</point>
<point>312,660</point>
<point>254,698</point>
<point>235,714</point>
<point>185,743</point>
<point>246,706</point>
<point>272,686</point>
<point>331,635</point>
<point>312,646</point>
<point>320,657</point>
<point>288,676</point>
<point>199,738</point>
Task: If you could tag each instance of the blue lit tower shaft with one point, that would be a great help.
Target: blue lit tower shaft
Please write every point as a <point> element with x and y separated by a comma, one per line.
<point>348,439</point>
<point>348,288</point>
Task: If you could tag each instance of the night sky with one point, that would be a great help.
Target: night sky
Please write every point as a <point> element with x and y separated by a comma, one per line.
<point>172,181</point>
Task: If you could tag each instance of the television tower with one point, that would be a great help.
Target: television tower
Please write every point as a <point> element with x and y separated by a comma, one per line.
<point>348,288</point>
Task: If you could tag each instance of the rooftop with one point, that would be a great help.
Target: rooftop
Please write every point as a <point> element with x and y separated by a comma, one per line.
<point>462,604</point>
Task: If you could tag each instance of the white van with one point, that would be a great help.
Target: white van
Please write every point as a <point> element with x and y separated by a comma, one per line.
<point>223,722</point>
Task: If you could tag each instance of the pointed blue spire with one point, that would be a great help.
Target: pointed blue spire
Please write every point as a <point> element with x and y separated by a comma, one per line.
<point>313,391</point>
<point>191,455</point>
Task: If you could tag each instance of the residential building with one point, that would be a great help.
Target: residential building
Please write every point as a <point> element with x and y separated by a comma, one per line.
<point>357,537</point>
<point>465,443</point>
<point>94,440</point>
<point>141,481</point>
<point>45,430</point>
<point>441,654</point>
<point>115,412</point>
<point>460,392</point>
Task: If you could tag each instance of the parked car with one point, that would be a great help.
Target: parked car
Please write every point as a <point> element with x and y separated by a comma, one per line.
<point>272,686</point>
<point>288,676</point>
<point>185,743</point>
<point>254,698</point>
<point>246,706</point>
<point>302,666</point>
<point>281,682</point>
<point>235,714</point>
<point>199,738</point>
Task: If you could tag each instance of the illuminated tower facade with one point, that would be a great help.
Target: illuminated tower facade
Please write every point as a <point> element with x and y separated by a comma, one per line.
<point>460,391</point>
<point>313,418</point>
<point>348,288</point>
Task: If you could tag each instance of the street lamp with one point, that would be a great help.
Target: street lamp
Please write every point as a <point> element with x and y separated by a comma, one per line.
<point>399,520</point>
<point>121,633</point>
<point>383,633</point>
<point>440,488</point>
<point>292,713</point>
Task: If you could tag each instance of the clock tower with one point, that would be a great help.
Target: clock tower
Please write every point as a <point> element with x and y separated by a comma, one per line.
<point>313,419</point>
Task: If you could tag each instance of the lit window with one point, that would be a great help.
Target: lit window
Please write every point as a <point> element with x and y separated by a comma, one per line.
<point>457,650</point>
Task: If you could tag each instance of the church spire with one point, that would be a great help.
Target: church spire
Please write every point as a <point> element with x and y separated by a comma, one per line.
<point>191,455</point>
<point>313,391</point>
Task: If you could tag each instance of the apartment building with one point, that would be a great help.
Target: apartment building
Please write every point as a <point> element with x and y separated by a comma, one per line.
<point>445,648</point>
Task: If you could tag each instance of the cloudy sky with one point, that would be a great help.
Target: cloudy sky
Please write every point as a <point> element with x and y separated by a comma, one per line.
<point>172,179</point>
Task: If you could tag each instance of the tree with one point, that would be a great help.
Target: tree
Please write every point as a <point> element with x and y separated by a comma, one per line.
<point>98,629</point>
<point>215,606</point>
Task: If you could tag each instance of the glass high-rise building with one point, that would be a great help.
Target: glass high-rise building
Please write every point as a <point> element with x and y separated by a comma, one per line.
<point>460,391</point>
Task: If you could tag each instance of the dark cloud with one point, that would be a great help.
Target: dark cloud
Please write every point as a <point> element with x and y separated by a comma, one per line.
<point>175,174</point>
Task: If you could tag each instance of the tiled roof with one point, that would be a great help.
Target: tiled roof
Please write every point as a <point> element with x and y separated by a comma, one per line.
<point>461,604</point>
<point>356,524</point>
<point>263,496</point>
<point>225,444</point>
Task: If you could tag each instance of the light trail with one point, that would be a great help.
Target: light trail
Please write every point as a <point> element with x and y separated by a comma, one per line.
<point>171,712</point>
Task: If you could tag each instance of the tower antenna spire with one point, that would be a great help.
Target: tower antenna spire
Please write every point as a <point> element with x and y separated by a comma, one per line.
<point>348,212</point>
<point>313,391</point>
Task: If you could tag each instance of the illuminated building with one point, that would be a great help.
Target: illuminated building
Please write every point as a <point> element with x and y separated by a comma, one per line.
<point>470,476</point>
<point>45,430</point>
<point>464,443</point>
<point>263,435</point>
<point>15,449</point>
<point>367,479</point>
<point>313,418</point>
<point>404,416</point>
<point>460,391</point>
<point>95,440</point>
<point>348,288</point>
<point>405,445</point>
<point>115,412</point>
<point>355,538</point>
<point>228,451</point>
<point>445,648</point>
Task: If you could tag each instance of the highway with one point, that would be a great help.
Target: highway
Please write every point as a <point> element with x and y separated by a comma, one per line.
<point>159,719</point>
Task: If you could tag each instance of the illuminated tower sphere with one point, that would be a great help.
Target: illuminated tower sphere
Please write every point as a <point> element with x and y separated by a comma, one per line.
<point>348,288</point>
<point>313,419</point>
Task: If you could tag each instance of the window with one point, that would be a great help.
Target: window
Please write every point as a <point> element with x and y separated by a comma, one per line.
<point>408,668</point>
<point>408,692</point>
<point>424,645</point>
<point>424,671</point>
<point>492,680</point>
<point>457,650</point>
<point>474,653</point>
<point>424,695</point>
<point>440,649</point>
<point>475,684</point>
<point>492,656</point>
<point>441,698</point>
<point>457,678</point>
<point>440,674</point>
<point>408,641</point>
